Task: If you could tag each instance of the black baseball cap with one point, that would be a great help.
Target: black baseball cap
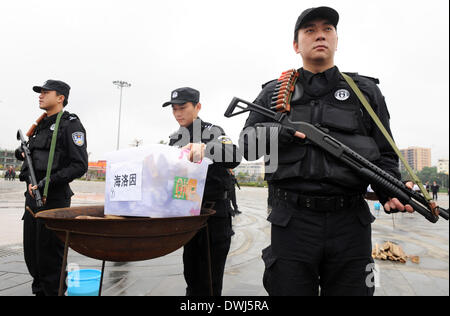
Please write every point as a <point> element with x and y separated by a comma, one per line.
<point>55,85</point>
<point>183,95</point>
<point>314,13</point>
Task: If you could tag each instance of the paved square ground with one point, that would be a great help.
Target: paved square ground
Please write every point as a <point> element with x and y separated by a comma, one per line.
<point>244,268</point>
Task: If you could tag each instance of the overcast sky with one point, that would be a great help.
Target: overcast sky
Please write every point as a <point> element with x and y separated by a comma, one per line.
<point>222,48</point>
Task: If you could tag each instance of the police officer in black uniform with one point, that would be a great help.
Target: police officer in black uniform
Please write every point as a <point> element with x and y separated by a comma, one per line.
<point>234,183</point>
<point>43,250</point>
<point>205,140</point>
<point>321,224</point>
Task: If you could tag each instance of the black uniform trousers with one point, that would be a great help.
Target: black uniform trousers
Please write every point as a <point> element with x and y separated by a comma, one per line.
<point>195,253</point>
<point>319,251</point>
<point>42,248</point>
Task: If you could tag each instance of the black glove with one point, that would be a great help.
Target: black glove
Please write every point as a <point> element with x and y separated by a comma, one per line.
<point>383,198</point>
<point>18,153</point>
<point>41,184</point>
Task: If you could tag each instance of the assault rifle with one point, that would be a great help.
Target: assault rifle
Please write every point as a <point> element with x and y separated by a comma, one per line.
<point>373,174</point>
<point>32,176</point>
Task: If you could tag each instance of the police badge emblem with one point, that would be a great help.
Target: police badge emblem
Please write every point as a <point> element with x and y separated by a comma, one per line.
<point>342,94</point>
<point>225,140</point>
<point>78,138</point>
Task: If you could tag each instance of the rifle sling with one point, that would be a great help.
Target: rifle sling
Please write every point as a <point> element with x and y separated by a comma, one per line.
<point>52,154</point>
<point>383,130</point>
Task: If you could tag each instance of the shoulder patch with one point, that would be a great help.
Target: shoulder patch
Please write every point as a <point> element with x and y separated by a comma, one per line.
<point>78,138</point>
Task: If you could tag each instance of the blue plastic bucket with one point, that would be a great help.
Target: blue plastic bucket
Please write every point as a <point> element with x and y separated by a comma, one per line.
<point>83,282</point>
<point>377,206</point>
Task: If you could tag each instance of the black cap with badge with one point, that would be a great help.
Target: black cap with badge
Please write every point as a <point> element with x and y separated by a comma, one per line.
<point>314,13</point>
<point>55,85</point>
<point>183,95</point>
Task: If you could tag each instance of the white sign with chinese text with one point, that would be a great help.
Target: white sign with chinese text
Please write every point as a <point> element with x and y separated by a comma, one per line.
<point>125,181</point>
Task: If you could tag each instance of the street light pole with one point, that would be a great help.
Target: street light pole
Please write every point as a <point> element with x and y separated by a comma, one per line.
<point>120,85</point>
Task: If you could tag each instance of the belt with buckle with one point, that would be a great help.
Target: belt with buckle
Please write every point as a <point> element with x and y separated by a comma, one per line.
<point>318,203</point>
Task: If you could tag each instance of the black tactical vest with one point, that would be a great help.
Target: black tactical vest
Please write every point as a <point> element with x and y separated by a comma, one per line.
<point>340,113</point>
<point>40,143</point>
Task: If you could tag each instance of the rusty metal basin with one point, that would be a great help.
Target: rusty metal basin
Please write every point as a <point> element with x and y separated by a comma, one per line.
<point>121,240</point>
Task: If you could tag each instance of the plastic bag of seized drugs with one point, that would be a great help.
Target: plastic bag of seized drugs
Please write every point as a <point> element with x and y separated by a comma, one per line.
<point>154,181</point>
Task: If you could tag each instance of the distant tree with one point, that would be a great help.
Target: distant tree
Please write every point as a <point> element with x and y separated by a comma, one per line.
<point>442,180</point>
<point>242,177</point>
<point>405,175</point>
<point>427,174</point>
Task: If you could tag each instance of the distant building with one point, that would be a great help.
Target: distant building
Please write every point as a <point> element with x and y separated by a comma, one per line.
<point>417,157</point>
<point>252,170</point>
<point>96,169</point>
<point>442,166</point>
<point>7,158</point>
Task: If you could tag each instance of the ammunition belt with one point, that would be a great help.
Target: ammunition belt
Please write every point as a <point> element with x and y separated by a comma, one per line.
<point>283,91</point>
